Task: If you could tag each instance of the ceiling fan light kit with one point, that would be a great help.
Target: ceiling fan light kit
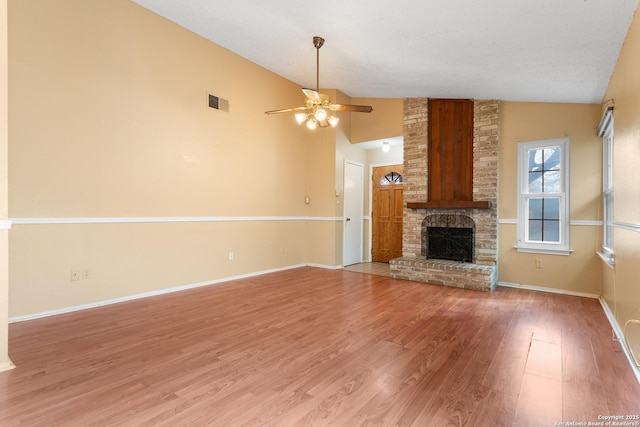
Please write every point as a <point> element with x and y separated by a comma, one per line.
<point>315,112</point>
<point>320,114</point>
<point>312,124</point>
<point>300,118</point>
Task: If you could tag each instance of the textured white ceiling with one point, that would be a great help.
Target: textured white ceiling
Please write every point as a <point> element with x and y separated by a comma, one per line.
<point>517,50</point>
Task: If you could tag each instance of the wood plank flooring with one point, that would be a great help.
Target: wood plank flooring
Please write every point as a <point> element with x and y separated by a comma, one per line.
<point>315,347</point>
<point>378,268</point>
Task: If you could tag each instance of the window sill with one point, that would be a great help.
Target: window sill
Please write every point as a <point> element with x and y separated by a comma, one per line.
<point>607,258</point>
<point>530,250</point>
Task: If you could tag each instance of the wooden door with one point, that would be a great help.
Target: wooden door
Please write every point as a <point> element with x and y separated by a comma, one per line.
<point>386,218</point>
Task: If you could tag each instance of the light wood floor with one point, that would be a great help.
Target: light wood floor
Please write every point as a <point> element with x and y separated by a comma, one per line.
<point>378,268</point>
<point>320,347</point>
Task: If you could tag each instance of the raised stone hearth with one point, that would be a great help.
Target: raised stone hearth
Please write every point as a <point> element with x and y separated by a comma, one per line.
<point>447,273</point>
<point>482,273</point>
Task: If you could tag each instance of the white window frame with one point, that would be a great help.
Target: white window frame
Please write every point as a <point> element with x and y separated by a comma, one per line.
<point>524,244</point>
<point>605,131</point>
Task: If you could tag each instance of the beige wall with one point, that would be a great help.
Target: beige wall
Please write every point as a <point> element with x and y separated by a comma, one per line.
<point>522,122</point>
<point>621,285</point>
<point>385,121</point>
<point>5,363</point>
<point>109,109</point>
<point>109,123</point>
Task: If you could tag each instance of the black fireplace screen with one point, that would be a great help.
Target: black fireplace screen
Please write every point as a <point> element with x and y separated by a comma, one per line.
<point>449,236</point>
<point>454,244</point>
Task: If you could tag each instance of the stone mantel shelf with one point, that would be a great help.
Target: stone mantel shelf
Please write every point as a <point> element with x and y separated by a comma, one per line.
<point>451,204</point>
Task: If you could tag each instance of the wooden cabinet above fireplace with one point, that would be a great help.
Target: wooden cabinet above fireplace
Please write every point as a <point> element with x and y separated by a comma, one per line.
<point>450,150</point>
<point>450,156</point>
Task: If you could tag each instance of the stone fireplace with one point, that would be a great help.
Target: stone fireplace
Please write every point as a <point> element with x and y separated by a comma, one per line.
<point>478,269</point>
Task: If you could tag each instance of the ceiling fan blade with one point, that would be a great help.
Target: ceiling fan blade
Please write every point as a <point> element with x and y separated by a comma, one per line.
<point>314,95</point>
<point>286,110</point>
<point>352,108</point>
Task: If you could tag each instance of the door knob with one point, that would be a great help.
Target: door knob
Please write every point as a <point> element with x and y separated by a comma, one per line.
<point>348,219</point>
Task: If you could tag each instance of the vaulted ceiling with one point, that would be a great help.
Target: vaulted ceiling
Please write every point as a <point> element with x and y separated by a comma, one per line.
<point>534,50</point>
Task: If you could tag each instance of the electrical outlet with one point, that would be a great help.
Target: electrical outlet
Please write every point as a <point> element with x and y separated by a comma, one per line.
<point>538,263</point>
<point>86,274</point>
<point>75,275</point>
<point>231,256</point>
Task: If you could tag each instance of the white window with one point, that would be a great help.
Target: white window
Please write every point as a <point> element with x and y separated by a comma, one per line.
<point>605,130</point>
<point>543,196</point>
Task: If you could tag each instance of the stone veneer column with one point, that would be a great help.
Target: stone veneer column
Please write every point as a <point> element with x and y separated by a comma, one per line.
<point>485,178</point>
<point>415,173</point>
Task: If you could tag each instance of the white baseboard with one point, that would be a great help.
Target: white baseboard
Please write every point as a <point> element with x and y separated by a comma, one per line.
<point>620,337</point>
<point>328,267</point>
<point>7,366</point>
<point>149,294</point>
<point>544,289</point>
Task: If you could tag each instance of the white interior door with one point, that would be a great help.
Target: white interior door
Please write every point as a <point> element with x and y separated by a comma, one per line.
<point>353,205</point>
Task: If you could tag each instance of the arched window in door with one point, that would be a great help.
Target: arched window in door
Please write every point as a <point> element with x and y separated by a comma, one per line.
<point>391,178</point>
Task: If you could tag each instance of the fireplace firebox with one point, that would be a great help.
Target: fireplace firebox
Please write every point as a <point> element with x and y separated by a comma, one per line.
<point>448,237</point>
<point>455,244</point>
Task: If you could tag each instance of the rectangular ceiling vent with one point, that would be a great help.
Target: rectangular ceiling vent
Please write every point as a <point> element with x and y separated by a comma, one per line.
<point>218,103</point>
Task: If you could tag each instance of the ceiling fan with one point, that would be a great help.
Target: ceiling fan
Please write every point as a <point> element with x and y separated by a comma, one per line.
<point>317,105</point>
